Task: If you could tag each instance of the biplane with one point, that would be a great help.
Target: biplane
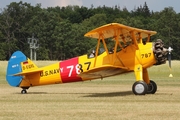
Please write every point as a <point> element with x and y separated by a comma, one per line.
<point>131,51</point>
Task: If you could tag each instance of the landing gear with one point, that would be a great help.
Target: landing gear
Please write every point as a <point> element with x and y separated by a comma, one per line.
<point>152,87</point>
<point>140,88</point>
<point>24,90</point>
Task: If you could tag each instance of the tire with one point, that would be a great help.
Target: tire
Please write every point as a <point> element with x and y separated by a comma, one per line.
<point>23,92</point>
<point>152,87</point>
<point>140,88</point>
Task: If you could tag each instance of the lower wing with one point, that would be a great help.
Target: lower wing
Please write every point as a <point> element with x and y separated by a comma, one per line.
<point>103,71</point>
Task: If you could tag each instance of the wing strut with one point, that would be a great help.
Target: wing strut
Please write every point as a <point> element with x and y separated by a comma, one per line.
<point>101,37</point>
<point>134,39</point>
<point>97,48</point>
<point>117,33</point>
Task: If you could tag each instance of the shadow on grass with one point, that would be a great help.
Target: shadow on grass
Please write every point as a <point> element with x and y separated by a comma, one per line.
<point>32,93</point>
<point>112,94</point>
<point>37,93</point>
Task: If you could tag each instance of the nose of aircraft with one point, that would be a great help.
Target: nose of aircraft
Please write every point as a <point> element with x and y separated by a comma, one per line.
<point>160,52</point>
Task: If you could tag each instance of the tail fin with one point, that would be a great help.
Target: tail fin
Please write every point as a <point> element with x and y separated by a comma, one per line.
<point>18,63</point>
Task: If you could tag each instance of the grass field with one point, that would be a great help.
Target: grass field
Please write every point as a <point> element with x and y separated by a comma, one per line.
<point>107,99</point>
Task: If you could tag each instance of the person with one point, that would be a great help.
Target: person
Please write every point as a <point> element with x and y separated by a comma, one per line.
<point>92,54</point>
<point>111,51</point>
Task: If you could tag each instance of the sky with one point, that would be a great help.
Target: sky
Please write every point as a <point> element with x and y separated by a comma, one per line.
<point>155,5</point>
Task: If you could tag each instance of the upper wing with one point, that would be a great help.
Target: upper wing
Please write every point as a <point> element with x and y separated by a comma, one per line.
<point>103,71</point>
<point>111,30</point>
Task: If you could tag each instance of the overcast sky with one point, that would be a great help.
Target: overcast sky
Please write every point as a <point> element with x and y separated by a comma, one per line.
<point>155,5</point>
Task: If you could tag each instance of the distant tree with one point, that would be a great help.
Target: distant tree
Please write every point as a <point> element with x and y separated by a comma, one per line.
<point>168,26</point>
<point>142,11</point>
<point>146,11</point>
<point>95,21</point>
<point>61,30</point>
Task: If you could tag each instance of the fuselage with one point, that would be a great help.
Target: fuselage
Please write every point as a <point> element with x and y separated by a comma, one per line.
<point>69,70</point>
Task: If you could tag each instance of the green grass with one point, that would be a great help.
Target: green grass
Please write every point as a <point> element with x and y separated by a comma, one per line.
<point>107,99</point>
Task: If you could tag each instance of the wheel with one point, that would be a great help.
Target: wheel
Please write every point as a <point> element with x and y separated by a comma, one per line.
<point>23,92</point>
<point>139,88</point>
<point>152,87</point>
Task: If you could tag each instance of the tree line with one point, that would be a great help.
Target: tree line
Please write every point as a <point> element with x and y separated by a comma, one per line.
<point>60,30</point>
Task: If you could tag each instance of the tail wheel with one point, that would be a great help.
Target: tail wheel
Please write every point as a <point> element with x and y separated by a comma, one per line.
<point>140,88</point>
<point>23,91</point>
<point>152,87</point>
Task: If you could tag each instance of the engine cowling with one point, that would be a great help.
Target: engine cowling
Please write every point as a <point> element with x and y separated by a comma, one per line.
<point>160,52</point>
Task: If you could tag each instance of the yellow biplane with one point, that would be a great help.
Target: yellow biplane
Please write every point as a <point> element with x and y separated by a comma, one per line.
<point>131,51</point>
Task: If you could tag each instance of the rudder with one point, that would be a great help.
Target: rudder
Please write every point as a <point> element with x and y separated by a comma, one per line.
<point>14,67</point>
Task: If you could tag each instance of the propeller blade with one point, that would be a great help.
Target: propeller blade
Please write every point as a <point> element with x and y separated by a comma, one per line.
<point>169,59</point>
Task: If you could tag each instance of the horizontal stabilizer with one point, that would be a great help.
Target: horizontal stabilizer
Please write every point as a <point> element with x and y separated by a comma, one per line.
<point>28,72</point>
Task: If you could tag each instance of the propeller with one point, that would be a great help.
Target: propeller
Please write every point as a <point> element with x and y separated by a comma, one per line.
<point>169,59</point>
